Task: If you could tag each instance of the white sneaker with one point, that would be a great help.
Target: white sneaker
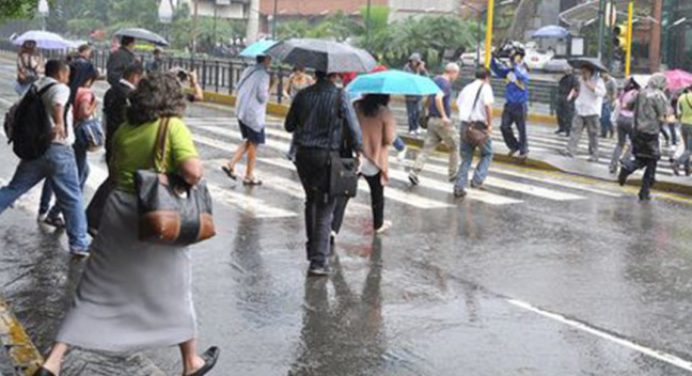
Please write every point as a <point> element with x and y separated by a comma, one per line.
<point>400,156</point>
<point>386,225</point>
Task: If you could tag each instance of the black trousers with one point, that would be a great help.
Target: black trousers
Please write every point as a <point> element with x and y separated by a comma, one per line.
<point>313,170</point>
<point>376,199</point>
<point>649,178</point>
<point>565,114</point>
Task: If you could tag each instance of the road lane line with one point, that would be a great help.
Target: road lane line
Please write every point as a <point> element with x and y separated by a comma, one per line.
<point>23,354</point>
<point>486,197</point>
<point>656,354</point>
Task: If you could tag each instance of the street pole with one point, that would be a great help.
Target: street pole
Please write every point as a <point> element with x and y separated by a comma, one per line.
<point>195,18</point>
<point>489,32</point>
<point>601,27</point>
<point>628,51</point>
<point>367,24</point>
<point>276,12</point>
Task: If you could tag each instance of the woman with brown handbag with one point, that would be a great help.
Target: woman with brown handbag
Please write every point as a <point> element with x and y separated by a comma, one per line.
<point>136,295</point>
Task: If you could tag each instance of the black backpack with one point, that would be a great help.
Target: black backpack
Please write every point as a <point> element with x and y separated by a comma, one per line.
<point>27,125</point>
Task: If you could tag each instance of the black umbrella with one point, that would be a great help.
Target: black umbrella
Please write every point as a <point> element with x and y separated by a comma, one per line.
<point>592,62</point>
<point>143,34</point>
<point>323,55</point>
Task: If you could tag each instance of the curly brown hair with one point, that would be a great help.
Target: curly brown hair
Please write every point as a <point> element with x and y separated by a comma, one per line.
<point>158,95</point>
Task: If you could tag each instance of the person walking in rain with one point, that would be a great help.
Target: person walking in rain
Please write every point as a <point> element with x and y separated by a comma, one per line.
<point>415,65</point>
<point>589,105</point>
<point>317,116</point>
<point>685,114</point>
<point>440,127</point>
<point>29,66</point>
<point>650,114</point>
<point>565,106</point>
<point>122,58</point>
<point>475,105</point>
<point>251,110</point>
<point>608,105</point>
<point>624,122</point>
<point>516,104</point>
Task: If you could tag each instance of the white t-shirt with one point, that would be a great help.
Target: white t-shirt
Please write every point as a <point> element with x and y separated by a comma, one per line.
<point>590,103</point>
<point>468,96</point>
<point>57,94</point>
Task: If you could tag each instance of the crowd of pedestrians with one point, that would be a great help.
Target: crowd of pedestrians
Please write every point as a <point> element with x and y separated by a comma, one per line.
<point>119,299</point>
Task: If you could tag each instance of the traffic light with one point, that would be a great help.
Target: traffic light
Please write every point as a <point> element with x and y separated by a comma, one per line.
<point>620,35</point>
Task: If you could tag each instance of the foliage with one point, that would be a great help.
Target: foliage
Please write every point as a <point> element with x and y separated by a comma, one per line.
<point>17,8</point>
<point>339,27</point>
<point>83,26</point>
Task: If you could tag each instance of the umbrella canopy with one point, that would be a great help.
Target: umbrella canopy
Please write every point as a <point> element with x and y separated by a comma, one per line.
<point>588,61</point>
<point>393,82</point>
<point>258,48</point>
<point>551,31</point>
<point>323,55</point>
<point>678,79</point>
<point>45,40</point>
<point>143,34</point>
<point>641,79</point>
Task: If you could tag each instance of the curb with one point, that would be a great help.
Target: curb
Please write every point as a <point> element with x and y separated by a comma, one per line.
<point>24,356</point>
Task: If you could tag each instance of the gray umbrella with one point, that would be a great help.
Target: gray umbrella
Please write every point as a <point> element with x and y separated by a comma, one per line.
<point>143,34</point>
<point>588,61</point>
<point>323,55</point>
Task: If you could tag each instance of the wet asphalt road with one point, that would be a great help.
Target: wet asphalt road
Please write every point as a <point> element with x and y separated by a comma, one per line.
<point>524,278</point>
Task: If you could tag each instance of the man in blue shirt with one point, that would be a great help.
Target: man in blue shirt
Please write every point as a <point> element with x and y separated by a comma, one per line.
<point>440,127</point>
<point>517,97</point>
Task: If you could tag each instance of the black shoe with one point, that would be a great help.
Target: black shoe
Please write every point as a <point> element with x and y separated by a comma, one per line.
<point>56,222</point>
<point>688,171</point>
<point>512,153</point>
<point>210,357</point>
<point>622,177</point>
<point>475,185</point>
<point>644,197</point>
<point>676,169</point>
<point>459,193</point>
<point>318,271</point>
<point>43,372</point>
<point>413,179</point>
<point>559,131</point>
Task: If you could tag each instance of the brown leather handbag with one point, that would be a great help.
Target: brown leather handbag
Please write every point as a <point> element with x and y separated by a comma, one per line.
<point>476,133</point>
<point>170,210</point>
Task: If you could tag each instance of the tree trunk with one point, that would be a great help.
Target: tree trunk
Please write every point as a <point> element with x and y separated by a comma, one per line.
<point>523,19</point>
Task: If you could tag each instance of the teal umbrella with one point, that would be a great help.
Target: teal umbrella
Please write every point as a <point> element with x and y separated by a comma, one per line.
<point>392,82</point>
<point>258,48</point>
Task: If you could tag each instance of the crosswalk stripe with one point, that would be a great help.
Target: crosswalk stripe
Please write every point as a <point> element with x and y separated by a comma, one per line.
<point>486,197</point>
<point>394,194</point>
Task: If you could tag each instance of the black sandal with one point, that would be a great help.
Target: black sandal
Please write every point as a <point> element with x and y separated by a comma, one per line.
<point>252,182</point>
<point>229,172</point>
<point>43,372</point>
<point>210,357</point>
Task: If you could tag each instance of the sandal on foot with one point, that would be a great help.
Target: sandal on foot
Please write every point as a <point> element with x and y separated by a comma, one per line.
<point>252,182</point>
<point>230,173</point>
<point>210,357</point>
<point>43,372</point>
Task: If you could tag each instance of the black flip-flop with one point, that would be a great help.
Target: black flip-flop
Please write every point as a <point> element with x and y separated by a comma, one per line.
<point>229,172</point>
<point>252,182</point>
<point>210,357</point>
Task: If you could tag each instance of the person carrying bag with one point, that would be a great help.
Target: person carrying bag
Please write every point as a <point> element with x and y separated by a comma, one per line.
<point>476,126</point>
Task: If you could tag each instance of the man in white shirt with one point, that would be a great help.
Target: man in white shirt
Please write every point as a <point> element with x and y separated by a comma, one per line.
<point>475,105</point>
<point>588,106</point>
<point>58,164</point>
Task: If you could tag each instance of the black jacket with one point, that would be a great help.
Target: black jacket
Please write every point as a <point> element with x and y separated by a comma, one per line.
<point>114,108</point>
<point>117,62</point>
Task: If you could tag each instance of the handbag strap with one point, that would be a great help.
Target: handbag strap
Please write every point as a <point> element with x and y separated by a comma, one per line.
<point>160,146</point>
<point>475,101</point>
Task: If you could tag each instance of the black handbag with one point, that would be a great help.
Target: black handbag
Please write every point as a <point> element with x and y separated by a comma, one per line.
<point>343,166</point>
<point>170,210</point>
<point>476,133</point>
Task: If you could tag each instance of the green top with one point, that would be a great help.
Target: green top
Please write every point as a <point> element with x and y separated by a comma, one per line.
<point>134,150</point>
<point>685,107</point>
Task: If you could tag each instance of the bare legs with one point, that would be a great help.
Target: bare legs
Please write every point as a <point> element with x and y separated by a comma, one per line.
<point>250,149</point>
<point>188,350</point>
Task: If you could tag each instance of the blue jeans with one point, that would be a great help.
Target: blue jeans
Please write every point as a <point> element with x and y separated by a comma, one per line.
<point>606,124</point>
<point>80,153</point>
<point>57,165</point>
<point>466,151</point>
<point>399,144</point>
<point>515,113</point>
<point>413,111</point>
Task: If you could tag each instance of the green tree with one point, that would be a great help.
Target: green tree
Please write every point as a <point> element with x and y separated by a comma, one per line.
<point>17,8</point>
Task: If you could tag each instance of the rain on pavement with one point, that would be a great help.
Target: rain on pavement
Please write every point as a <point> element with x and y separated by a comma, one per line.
<point>538,274</point>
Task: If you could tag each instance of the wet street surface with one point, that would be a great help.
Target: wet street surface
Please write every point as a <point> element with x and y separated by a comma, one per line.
<point>536,274</point>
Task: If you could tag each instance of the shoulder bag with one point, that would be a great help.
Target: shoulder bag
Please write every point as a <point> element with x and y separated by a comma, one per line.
<point>170,210</point>
<point>343,167</point>
<point>476,133</point>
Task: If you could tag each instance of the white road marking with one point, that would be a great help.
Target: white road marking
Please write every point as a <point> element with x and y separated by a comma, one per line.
<point>656,354</point>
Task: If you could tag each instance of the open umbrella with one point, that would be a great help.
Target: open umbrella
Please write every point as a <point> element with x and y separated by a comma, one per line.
<point>143,34</point>
<point>588,61</point>
<point>45,40</point>
<point>678,79</point>
<point>551,31</point>
<point>323,55</point>
<point>258,48</point>
<point>393,82</point>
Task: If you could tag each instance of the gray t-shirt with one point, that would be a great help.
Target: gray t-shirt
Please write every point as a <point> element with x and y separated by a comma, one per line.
<point>59,94</point>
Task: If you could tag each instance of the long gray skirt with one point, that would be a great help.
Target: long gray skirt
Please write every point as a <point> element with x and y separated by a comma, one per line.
<point>133,295</point>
